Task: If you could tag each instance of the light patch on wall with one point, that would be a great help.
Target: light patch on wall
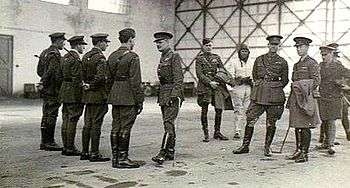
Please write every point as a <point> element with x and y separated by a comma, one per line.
<point>63,2</point>
<point>113,6</point>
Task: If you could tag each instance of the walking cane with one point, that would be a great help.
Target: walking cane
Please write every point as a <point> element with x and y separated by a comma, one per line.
<point>284,141</point>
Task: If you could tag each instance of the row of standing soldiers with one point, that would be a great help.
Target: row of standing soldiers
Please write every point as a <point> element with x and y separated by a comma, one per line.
<point>94,82</point>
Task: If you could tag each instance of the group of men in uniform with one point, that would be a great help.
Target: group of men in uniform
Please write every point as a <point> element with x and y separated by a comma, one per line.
<point>257,87</point>
<point>91,82</point>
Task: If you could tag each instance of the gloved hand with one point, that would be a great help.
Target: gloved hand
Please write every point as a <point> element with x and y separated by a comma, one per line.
<point>139,108</point>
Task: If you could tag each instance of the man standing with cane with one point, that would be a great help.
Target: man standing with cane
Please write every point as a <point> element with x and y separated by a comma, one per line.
<point>170,93</point>
<point>303,108</point>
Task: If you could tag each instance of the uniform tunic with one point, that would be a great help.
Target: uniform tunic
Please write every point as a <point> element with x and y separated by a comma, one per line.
<point>207,66</point>
<point>126,92</point>
<point>171,90</point>
<point>307,69</point>
<point>270,76</point>
<point>51,80</point>
<point>330,91</point>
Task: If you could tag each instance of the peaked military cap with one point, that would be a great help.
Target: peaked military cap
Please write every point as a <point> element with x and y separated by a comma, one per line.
<point>77,40</point>
<point>206,41</point>
<point>302,41</point>
<point>326,48</point>
<point>100,37</point>
<point>162,35</point>
<point>335,45</point>
<point>57,36</point>
<point>274,39</point>
<point>127,32</point>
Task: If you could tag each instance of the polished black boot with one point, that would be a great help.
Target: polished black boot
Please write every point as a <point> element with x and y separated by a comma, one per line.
<point>123,156</point>
<point>70,149</point>
<point>160,157</point>
<point>217,134</point>
<point>114,146</point>
<point>125,162</point>
<point>206,135</point>
<point>270,133</point>
<point>49,144</point>
<point>169,148</point>
<point>297,151</point>
<point>248,134</point>
<point>43,138</point>
<point>85,144</point>
<point>305,145</point>
<point>204,122</point>
<point>97,157</point>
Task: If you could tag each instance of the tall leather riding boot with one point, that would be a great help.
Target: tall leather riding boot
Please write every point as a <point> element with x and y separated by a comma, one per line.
<point>48,138</point>
<point>170,148</point>
<point>322,133</point>
<point>331,136</point>
<point>114,146</point>
<point>123,153</point>
<point>297,151</point>
<point>217,134</point>
<point>64,134</point>
<point>71,150</point>
<point>85,140</point>
<point>270,133</point>
<point>248,134</point>
<point>305,144</point>
<point>204,122</point>
<point>95,155</point>
<point>44,140</point>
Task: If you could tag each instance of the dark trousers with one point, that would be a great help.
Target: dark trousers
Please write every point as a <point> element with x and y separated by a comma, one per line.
<point>169,114</point>
<point>204,117</point>
<point>303,139</point>
<point>71,113</point>
<point>123,120</point>
<point>49,119</point>
<point>93,119</point>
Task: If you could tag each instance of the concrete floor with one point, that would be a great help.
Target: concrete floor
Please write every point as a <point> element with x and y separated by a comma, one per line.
<point>197,164</point>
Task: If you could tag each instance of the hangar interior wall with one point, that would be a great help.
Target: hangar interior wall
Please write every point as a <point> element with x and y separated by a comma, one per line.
<point>231,22</point>
<point>31,21</point>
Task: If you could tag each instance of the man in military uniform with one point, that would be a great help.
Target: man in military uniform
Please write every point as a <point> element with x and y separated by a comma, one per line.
<point>126,96</point>
<point>94,97</point>
<point>71,93</point>
<point>270,76</point>
<point>210,89</point>
<point>240,93</point>
<point>170,93</point>
<point>345,103</point>
<point>332,71</point>
<point>303,108</point>
<point>50,72</point>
